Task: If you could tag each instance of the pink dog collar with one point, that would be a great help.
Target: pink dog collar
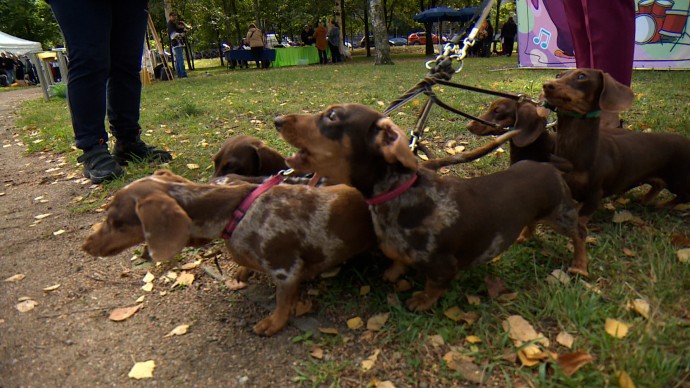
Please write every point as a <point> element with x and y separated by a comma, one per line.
<point>247,202</point>
<point>385,197</point>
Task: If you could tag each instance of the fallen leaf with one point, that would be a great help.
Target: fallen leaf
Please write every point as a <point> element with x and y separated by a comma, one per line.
<point>52,288</point>
<point>494,286</point>
<point>680,240</point>
<point>355,323</point>
<point>629,252</point>
<point>454,313</point>
<point>557,276</point>
<point>328,330</point>
<point>148,278</point>
<point>641,307</point>
<point>624,380</point>
<point>317,353</point>
<point>622,216</point>
<point>303,307</point>
<point>463,364</point>
<point>473,300</point>
<point>331,274</point>
<point>192,166</point>
<point>616,328</point>
<point>147,287</point>
<point>370,361</point>
<point>507,297</point>
<point>192,265</point>
<point>473,339</point>
<point>142,370</point>
<point>436,340</point>
<point>42,216</point>
<point>15,278</point>
<point>520,330</point>
<point>26,305</point>
<point>184,279</point>
<point>526,361</point>
<point>565,339</point>
<point>179,330</point>
<point>364,290</point>
<point>469,317</point>
<point>140,299</point>
<point>533,352</point>
<point>376,322</point>
<point>384,384</point>
<point>571,362</point>
<point>122,313</point>
<point>684,255</point>
<point>58,232</point>
<point>393,300</point>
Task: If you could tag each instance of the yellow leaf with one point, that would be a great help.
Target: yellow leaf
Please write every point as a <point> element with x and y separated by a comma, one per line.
<point>629,252</point>
<point>122,313</point>
<point>140,299</point>
<point>641,307</point>
<point>370,361</point>
<point>436,340</point>
<point>148,278</point>
<point>526,361</point>
<point>473,339</point>
<point>463,364</point>
<point>142,370</point>
<point>384,384</point>
<point>58,232</point>
<point>622,216</point>
<point>26,305</point>
<point>355,323</point>
<point>684,255</point>
<point>331,274</point>
<point>317,353</point>
<point>533,352</point>
<point>15,278</point>
<point>376,322</point>
<point>192,166</point>
<point>328,330</point>
<point>147,287</point>
<point>454,313</point>
<point>624,380</point>
<point>191,265</point>
<point>473,300</point>
<point>185,279</point>
<point>179,330</point>
<point>52,288</point>
<point>558,276</point>
<point>42,216</point>
<point>565,339</point>
<point>616,328</point>
<point>571,362</point>
<point>364,290</point>
<point>520,330</point>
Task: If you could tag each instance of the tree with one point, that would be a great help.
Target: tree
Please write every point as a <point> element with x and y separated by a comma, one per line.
<point>30,19</point>
<point>378,22</point>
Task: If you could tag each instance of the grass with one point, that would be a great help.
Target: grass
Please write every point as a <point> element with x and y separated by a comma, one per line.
<point>193,117</point>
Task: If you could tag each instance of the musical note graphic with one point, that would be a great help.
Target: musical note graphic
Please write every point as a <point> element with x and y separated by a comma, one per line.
<point>540,40</point>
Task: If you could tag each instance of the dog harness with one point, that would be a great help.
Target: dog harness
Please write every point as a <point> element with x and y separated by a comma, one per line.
<point>387,196</point>
<point>247,202</point>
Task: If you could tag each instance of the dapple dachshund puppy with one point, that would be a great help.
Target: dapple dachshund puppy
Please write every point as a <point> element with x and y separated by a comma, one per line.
<point>247,155</point>
<point>611,161</point>
<point>438,225</point>
<point>291,232</point>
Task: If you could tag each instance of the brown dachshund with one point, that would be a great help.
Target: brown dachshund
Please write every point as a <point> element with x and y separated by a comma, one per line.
<point>247,155</point>
<point>438,225</point>
<point>291,232</point>
<point>611,161</point>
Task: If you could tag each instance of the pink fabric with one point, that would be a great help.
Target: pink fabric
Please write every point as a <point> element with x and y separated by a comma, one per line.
<point>603,33</point>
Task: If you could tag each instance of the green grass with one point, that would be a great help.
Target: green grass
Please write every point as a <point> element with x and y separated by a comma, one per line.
<point>193,117</point>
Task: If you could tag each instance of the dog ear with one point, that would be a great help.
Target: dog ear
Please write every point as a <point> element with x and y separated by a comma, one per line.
<point>394,145</point>
<point>269,161</point>
<point>615,97</point>
<point>166,226</point>
<point>531,121</point>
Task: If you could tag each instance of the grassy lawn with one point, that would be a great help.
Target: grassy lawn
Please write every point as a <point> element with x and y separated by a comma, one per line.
<point>629,260</point>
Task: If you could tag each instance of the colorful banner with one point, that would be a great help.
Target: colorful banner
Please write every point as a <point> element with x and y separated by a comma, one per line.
<point>662,34</point>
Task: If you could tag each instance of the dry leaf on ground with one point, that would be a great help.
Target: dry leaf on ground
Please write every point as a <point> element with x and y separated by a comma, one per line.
<point>565,339</point>
<point>179,330</point>
<point>468,369</point>
<point>436,340</point>
<point>473,339</point>
<point>520,330</point>
<point>185,279</point>
<point>624,380</point>
<point>571,362</point>
<point>680,240</point>
<point>454,313</point>
<point>355,323</point>
<point>364,290</point>
<point>474,300</point>
<point>376,322</point>
<point>684,255</point>
<point>328,330</point>
<point>494,286</point>
<point>622,216</point>
<point>303,307</point>
<point>641,307</point>
<point>384,384</point>
<point>629,252</point>
<point>15,278</point>
<point>26,305</point>
<point>317,353</point>
<point>122,313</point>
<point>148,287</point>
<point>371,360</point>
<point>52,288</point>
<point>148,278</point>
<point>142,370</point>
<point>616,328</point>
<point>557,276</point>
<point>192,265</point>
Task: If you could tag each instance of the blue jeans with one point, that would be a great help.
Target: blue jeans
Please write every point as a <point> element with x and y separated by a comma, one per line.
<point>104,40</point>
<point>178,53</point>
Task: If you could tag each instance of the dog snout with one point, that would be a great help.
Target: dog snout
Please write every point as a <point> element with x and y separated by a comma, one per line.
<point>279,121</point>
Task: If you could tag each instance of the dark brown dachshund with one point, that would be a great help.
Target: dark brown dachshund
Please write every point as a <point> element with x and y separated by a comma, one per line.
<point>438,225</point>
<point>611,161</point>
<point>247,155</point>
<point>291,232</point>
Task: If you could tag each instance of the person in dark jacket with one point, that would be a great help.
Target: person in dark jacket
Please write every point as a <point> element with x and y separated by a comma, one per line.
<point>508,32</point>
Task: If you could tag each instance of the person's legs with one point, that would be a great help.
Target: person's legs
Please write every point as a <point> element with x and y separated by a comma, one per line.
<point>178,53</point>
<point>612,37</point>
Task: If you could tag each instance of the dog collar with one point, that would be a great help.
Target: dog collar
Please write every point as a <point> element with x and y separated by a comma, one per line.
<point>247,202</point>
<point>385,197</point>
<point>590,115</point>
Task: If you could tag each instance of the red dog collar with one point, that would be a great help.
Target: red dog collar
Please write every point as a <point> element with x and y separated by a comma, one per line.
<point>385,197</point>
<point>247,202</point>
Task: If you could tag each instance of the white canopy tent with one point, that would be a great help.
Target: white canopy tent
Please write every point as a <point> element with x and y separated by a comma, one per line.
<point>17,46</point>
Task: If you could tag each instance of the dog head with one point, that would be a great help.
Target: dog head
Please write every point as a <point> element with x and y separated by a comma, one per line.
<point>143,211</point>
<point>587,90</point>
<point>344,138</point>
<point>529,118</point>
<point>249,156</point>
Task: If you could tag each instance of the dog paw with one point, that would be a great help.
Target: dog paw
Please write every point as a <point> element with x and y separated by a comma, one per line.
<point>421,301</point>
<point>578,271</point>
<point>269,326</point>
<point>235,284</point>
<point>394,272</point>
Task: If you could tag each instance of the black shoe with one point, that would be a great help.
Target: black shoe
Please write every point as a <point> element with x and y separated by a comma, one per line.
<point>99,165</point>
<point>138,151</point>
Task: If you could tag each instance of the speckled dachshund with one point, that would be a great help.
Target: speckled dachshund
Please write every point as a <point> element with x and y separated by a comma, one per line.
<point>291,232</point>
<point>439,225</point>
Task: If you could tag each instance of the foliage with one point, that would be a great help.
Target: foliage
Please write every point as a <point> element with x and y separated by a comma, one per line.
<point>31,20</point>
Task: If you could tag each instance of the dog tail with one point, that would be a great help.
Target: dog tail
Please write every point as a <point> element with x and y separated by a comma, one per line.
<point>468,156</point>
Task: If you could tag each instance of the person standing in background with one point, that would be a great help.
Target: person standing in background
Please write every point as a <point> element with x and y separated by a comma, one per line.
<point>603,34</point>
<point>255,40</point>
<point>176,30</point>
<point>333,38</point>
<point>307,35</point>
<point>508,32</point>
<point>321,43</point>
<point>103,77</point>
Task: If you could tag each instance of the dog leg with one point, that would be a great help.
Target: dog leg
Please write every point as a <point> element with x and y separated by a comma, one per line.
<point>286,299</point>
<point>657,185</point>
<point>239,281</point>
<point>395,271</point>
<point>426,299</point>
<point>526,234</point>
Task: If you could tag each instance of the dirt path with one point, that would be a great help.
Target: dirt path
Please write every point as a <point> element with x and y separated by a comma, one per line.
<point>67,339</point>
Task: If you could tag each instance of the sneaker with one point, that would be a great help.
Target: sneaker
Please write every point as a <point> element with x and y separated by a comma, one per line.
<point>138,151</point>
<point>99,165</point>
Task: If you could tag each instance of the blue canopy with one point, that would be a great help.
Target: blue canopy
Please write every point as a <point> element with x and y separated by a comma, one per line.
<point>445,14</point>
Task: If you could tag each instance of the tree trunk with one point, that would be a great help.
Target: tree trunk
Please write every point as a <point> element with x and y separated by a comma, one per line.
<point>338,16</point>
<point>378,22</point>
<point>367,33</point>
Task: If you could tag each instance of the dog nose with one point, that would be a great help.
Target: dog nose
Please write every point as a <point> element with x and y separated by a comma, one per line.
<point>549,86</point>
<point>278,122</point>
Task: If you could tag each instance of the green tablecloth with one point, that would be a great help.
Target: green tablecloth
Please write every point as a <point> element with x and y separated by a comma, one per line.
<point>292,56</point>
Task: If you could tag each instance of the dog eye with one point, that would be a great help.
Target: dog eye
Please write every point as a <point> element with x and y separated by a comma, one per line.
<point>331,115</point>
<point>581,76</point>
<point>559,75</point>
